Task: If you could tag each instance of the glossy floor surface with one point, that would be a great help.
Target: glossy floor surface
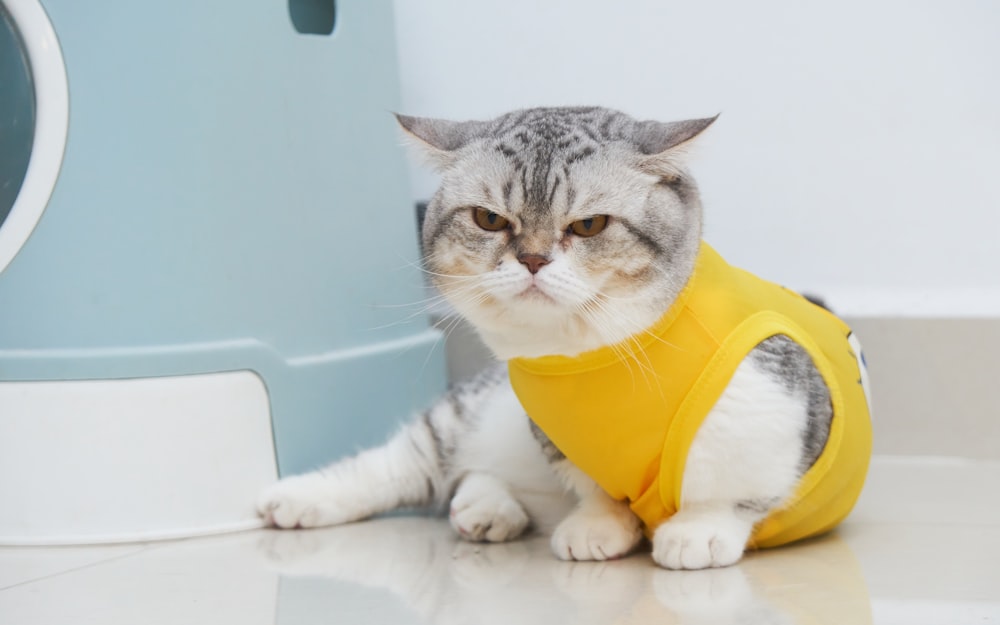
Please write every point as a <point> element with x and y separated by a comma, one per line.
<point>923,547</point>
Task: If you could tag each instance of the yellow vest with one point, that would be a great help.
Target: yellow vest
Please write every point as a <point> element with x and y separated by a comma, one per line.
<point>626,415</point>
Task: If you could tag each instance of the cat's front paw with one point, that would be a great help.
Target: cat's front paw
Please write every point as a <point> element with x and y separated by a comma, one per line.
<point>484,510</point>
<point>302,501</point>
<point>700,540</point>
<point>602,534</point>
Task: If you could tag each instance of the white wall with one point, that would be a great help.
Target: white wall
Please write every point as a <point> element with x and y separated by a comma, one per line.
<point>858,151</point>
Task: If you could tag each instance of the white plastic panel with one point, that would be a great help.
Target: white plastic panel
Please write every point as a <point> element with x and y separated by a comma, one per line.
<point>127,460</point>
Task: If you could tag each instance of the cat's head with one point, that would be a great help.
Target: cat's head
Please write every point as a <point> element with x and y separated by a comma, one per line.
<point>559,230</point>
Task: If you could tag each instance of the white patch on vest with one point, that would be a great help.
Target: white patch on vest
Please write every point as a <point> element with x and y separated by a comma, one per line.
<point>859,354</point>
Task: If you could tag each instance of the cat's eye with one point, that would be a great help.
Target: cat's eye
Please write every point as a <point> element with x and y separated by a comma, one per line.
<point>590,226</point>
<point>488,220</point>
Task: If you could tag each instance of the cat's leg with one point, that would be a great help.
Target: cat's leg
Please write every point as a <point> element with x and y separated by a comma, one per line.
<point>416,467</point>
<point>599,528</point>
<point>769,425</point>
<point>403,472</point>
<point>506,481</point>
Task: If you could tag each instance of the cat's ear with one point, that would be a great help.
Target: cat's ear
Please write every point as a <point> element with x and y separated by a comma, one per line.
<point>663,143</point>
<point>439,138</point>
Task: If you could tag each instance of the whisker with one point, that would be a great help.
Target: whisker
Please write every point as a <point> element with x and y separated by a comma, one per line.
<point>628,349</point>
<point>461,294</point>
<point>447,326</point>
<point>597,317</point>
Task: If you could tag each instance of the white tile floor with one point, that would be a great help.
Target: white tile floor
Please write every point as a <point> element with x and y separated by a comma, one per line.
<point>923,547</point>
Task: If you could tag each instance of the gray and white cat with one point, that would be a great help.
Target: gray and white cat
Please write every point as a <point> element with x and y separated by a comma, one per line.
<point>557,231</point>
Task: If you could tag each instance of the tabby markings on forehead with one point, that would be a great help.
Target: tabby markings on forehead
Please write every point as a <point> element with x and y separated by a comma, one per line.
<point>548,139</point>
<point>488,194</point>
<point>606,126</point>
<point>512,120</point>
<point>582,154</point>
<point>552,194</point>
<point>570,191</point>
<point>508,188</point>
<point>538,192</point>
<point>587,130</point>
<point>568,141</point>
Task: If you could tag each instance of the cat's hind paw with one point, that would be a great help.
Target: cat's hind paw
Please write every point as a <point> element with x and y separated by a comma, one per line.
<point>484,510</point>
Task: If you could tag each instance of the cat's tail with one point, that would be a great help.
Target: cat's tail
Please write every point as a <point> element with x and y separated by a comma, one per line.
<point>817,300</point>
<point>414,468</point>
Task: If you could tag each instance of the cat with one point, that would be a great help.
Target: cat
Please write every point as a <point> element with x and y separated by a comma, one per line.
<point>560,233</point>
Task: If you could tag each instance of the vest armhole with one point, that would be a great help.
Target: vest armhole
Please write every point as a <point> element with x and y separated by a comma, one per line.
<point>711,384</point>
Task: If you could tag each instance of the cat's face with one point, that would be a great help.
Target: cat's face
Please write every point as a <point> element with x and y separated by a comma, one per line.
<point>558,231</point>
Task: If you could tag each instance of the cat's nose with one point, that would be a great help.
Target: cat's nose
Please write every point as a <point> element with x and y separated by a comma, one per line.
<point>533,262</point>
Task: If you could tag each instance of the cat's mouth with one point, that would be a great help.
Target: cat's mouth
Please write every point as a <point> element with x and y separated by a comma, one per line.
<point>534,293</point>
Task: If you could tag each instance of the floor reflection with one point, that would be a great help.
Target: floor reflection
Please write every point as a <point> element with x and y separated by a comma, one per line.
<point>339,575</point>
